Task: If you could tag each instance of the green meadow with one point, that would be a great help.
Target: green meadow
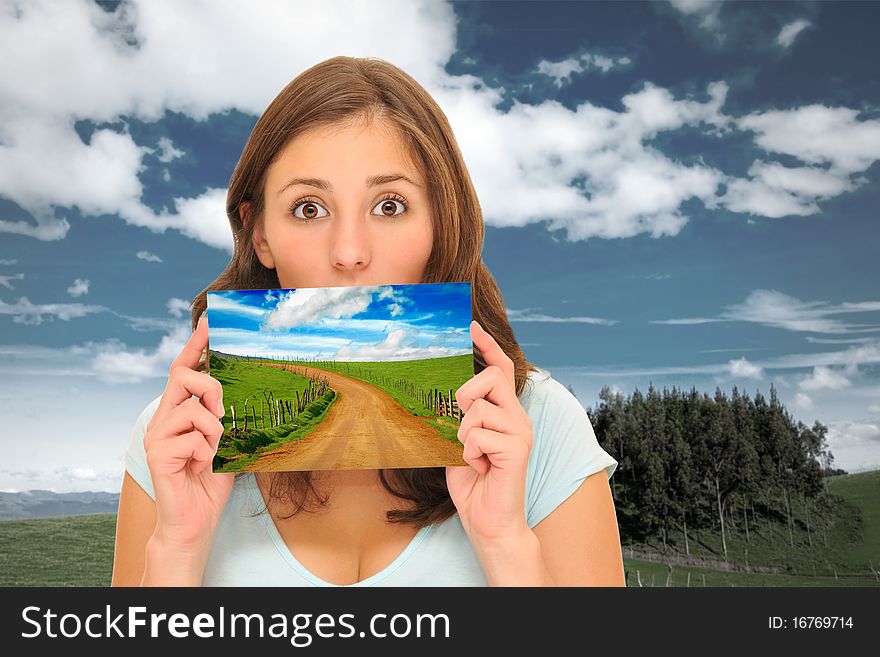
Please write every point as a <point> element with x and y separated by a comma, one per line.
<point>78,550</point>
<point>846,554</point>
<point>243,381</point>
<point>445,374</point>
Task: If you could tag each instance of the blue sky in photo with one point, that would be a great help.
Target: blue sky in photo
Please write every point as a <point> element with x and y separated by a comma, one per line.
<point>675,193</point>
<point>365,324</point>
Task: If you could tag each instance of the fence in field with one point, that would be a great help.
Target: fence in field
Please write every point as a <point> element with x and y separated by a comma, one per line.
<point>433,399</point>
<point>275,411</point>
<point>441,402</point>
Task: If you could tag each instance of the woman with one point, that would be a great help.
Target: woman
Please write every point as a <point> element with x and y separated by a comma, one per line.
<point>352,176</point>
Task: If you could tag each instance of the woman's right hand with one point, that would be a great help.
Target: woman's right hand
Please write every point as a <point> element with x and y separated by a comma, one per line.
<point>180,442</point>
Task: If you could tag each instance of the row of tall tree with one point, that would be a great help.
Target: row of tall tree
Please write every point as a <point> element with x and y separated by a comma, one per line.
<point>688,460</point>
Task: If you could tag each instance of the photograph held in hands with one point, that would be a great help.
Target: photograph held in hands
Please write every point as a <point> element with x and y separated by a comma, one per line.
<point>340,378</point>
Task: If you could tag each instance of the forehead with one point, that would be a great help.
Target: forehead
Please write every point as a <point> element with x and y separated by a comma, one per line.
<point>372,147</point>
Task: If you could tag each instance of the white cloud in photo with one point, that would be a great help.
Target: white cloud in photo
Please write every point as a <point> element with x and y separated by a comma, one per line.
<point>220,302</point>
<point>79,288</point>
<point>824,377</point>
<point>397,299</point>
<point>30,314</point>
<point>242,342</point>
<point>8,261</point>
<point>167,151</point>
<point>310,305</point>
<point>743,368</point>
<point>526,316</point>
<point>149,257</point>
<point>5,280</point>
<point>874,408</point>
<point>400,344</point>
<point>790,32</point>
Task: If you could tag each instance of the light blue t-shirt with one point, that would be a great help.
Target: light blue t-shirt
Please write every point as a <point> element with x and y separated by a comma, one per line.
<point>248,550</point>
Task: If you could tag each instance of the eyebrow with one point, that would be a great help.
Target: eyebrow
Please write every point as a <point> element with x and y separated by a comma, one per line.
<point>372,181</point>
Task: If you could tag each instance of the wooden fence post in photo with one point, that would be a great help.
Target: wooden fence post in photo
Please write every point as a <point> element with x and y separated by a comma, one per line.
<point>232,407</point>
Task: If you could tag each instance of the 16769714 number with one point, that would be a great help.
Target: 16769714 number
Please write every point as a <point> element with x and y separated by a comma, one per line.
<point>810,622</point>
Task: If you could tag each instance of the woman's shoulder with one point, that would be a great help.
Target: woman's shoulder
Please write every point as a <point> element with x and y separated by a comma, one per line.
<point>146,415</point>
<point>542,392</point>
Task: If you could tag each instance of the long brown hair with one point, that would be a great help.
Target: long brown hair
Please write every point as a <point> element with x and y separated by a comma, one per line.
<point>343,90</point>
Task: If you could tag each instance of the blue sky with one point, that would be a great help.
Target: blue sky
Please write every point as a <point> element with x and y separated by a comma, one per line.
<point>362,324</point>
<point>675,193</point>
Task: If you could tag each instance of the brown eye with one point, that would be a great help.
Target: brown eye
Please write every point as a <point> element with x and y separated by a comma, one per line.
<point>390,207</point>
<point>308,210</point>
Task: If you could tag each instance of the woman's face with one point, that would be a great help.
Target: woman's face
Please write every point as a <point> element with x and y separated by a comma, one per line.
<point>345,206</point>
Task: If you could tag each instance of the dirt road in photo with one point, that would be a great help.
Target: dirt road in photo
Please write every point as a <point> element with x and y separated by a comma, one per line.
<point>365,428</point>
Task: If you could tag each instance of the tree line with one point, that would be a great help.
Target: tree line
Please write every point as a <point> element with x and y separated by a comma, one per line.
<point>690,461</point>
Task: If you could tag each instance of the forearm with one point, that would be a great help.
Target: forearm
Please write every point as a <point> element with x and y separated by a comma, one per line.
<point>515,561</point>
<point>168,565</point>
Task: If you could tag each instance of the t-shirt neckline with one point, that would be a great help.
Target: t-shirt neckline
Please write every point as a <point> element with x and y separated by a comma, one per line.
<point>287,555</point>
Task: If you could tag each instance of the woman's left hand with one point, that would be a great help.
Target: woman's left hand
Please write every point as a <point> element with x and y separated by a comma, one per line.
<point>496,432</point>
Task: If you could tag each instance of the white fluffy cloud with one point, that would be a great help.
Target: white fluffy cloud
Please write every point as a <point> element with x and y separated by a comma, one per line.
<point>5,280</point>
<point>79,288</point>
<point>743,368</point>
<point>526,316</point>
<point>818,135</point>
<point>147,58</point>
<point>590,171</point>
<point>706,11</point>
<point>178,307</point>
<point>562,71</point>
<point>824,377</point>
<point>399,344</point>
<point>167,151</point>
<point>773,308</point>
<point>774,190</point>
<point>803,402</point>
<point>149,257</point>
<point>790,31</point>
<point>853,433</point>
<point>307,305</point>
<point>114,362</point>
<point>25,312</point>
